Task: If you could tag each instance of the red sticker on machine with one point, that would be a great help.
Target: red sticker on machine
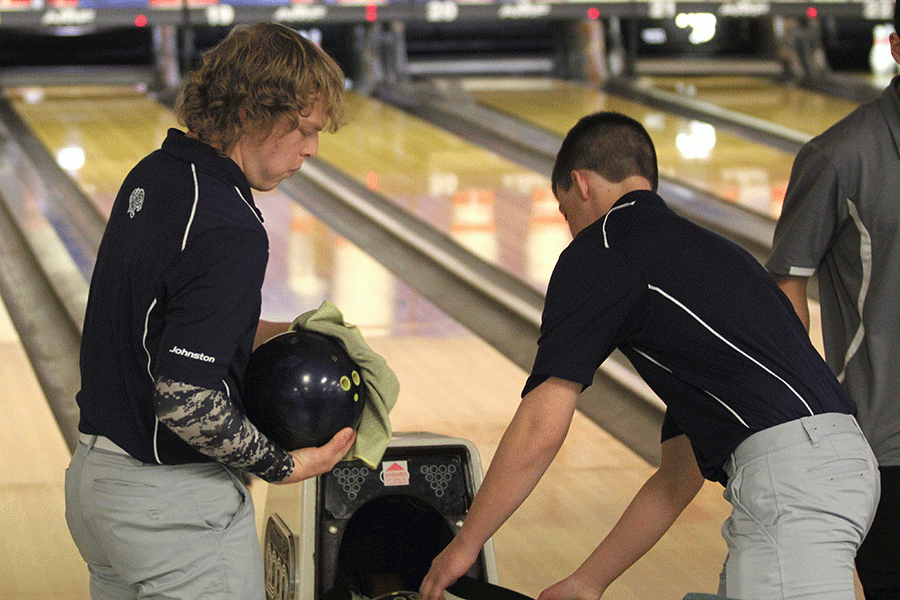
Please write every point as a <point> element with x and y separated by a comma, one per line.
<point>394,472</point>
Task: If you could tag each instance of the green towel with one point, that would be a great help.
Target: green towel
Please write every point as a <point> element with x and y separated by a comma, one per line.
<point>374,431</point>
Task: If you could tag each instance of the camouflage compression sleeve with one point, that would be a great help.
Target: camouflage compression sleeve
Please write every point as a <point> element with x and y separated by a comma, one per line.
<point>208,420</point>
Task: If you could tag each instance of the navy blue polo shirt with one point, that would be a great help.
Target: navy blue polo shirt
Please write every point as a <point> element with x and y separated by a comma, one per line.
<point>698,317</point>
<point>175,293</point>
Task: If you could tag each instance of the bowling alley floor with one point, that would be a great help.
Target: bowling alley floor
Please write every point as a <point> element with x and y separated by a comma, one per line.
<point>37,557</point>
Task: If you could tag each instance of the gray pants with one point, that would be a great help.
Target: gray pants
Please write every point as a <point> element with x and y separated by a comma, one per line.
<point>162,532</point>
<point>803,494</point>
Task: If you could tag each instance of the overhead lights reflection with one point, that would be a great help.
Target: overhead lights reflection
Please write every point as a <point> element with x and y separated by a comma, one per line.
<point>654,36</point>
<point>654,121</point>
<point>70,158</point>
<point>703,26</point>
<point>442,183</point>
<point>32,95</point>
<point>697,142</point>
<point>880,59</point>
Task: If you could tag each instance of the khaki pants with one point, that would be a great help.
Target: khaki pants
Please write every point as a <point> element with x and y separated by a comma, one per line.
<point>804,495</point>
<point>162,532</point>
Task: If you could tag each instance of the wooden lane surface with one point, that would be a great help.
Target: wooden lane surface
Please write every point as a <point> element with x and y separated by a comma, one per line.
<point>751,175</point>
<point>452,383</point>
<point>504,213</point>
<point>500,211</point>
<point>789,106</point>
<point>497,209</point>
<point>38,559</point>
<point>104,130</point>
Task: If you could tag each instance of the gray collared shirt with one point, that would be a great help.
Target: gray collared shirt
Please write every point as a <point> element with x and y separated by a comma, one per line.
<point>841,218</point>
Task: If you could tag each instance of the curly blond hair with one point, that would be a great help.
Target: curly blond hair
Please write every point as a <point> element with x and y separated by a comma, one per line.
<point>252,79</point>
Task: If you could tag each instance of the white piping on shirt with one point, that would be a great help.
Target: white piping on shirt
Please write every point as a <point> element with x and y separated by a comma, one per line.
<point>606,217</point>
<point>147,317</point>
<point>250,206</point>
<point>155,436</point>
<point>801,271</point>
<point>865,257</point>
<point>665,368</point>
<point>197,199</point>
<point>193,208</point>
<point>726,341</point>
<point>144,339</point>
<point>150,372</point>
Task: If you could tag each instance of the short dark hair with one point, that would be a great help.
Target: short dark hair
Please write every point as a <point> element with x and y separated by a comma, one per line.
<point>257,75</point>
<point>613,145</point>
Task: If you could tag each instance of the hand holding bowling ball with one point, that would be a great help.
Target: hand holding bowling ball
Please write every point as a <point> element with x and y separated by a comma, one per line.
<point>312,462</point>
<point>301,388</point>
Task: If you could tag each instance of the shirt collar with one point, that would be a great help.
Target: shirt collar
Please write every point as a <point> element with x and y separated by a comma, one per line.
<point>207,158</point>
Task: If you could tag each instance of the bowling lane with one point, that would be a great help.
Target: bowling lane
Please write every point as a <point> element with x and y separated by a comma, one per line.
<point>37,557</point>
<point>500,211</point>
<point>789,106</point>
<point>451,382</point>
<point>96,133</point>
<point>698,154</point>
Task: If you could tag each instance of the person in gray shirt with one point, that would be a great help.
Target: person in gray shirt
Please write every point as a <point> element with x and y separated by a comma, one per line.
<point>841,219</point>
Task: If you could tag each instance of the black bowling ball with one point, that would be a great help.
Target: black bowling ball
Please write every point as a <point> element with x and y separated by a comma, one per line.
<point>301,388</point>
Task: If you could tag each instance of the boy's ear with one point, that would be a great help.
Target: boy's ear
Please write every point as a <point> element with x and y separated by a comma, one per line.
<point>580,179</point>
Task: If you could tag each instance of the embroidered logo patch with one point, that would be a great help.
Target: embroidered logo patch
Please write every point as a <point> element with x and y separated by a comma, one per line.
<point>135,201</point>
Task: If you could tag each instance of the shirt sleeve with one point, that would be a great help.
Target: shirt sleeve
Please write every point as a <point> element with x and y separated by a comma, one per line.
<point>210,422</point>
<point>670,428</point>
<point>810,216</point>
<point>213,304</point>
<point>595,299</point>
